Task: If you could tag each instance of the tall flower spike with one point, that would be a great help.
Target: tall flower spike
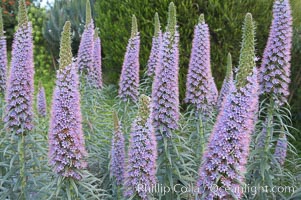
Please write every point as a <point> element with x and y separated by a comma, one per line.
<point>165,91</point>
<point>274,74</point>
<point>155,55</point>
<point>97,72</point>
<point>281,149</point>
<point>129,79</point>
<point>20,88</point>
<point>117,152</point>
<point>41,101</point>
<point>201,90</point>
<point>3,57</point>
<point>142,155</point>
<point>86,47</point>
<point>66,140</point>
<point>226,84</point>
<point>226,155</point>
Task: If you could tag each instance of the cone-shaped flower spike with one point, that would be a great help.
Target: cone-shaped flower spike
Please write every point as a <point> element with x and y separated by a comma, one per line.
<point>201,90</point>
<point>129,79</point>
<point>86,47</point>
<point>19,93</point>
<point>274,74</point>
<point>3,57</point>
<point>165,92</point>
<point>41,101</point>
<point>142,155</point>
<point>281,149</point>
<point>117,152</point>
<point>228,81</point>
<point>97,72</point>
<point>227,151</point>
<point>66,140</point>
<point>155,55</point>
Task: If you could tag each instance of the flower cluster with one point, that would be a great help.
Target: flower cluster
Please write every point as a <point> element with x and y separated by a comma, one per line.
<point>228,148</point>
<point>154,58</point>
<point>274,74</point>
<point>20,88</point>
<point>165,91</point>
<point>201,90</point>
<point>96,72</point>
<point>227,84</point>
<point>227,151</point>
<point>281,149</point>
<point>41,101</point>
<point>142,155</point>
<point>85,51</point>
<point>3,57</point>
<point>129,79</point>
<point>86,46</point>
<point>117,152</point>
<point>66,139</point>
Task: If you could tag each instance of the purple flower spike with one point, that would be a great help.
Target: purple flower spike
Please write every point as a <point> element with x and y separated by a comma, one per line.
<point>154,58</point>
<point>117,152</point>
<point>142,155</point>
<point>85,51</point>
<point>281,149</point>
<point>129,79</point>
<point>201,90</point>
<point>227,152</point>
<point>66,140</point>
<point>228,148</point>
<point>20,88</point>
<point>165,91</point>
<point>274,74</point>
<point>3,57</point>
<point>41,101</point>
<point>228,81</point>
<point>86,47</point>
<point>97,73</point>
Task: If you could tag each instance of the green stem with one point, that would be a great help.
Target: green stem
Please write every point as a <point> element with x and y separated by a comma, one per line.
<point>269,127</point>
<point>200,129</point>
<point>22,158</point>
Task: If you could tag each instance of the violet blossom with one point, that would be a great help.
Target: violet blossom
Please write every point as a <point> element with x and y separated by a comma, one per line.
<point>142,153</point>
<point>129,79</point>
<point>274,74</point>
<point>20,88</point>
<point>66,140</point>
<point>117,152</point>
<point>201,90</point>
<point>3,57</point>
<point>165,90</point>
<point>154,58</point>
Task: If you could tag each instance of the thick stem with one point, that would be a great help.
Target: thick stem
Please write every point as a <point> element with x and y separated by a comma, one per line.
<point>22,159</point>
